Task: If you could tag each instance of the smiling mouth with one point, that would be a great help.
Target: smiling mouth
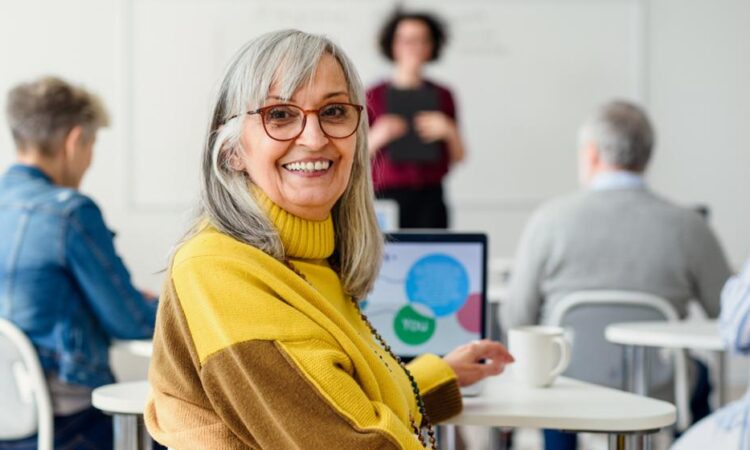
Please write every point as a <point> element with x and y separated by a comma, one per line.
<point>308,166</point>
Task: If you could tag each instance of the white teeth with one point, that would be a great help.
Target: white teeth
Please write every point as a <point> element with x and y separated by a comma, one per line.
<point>309,166</point>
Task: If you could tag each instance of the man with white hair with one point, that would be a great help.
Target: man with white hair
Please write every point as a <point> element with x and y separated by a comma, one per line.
<point>616,233</point>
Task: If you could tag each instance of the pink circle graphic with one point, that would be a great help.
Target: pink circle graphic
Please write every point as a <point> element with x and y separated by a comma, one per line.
<point>469,315</point>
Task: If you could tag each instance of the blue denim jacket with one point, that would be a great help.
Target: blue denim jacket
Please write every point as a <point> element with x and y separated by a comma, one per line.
<point>61,280</point>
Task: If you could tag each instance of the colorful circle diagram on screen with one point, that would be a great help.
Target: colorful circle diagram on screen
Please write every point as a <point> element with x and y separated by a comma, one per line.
<point>439,282</point>
<point>469,315</point>
<point>413,325</point>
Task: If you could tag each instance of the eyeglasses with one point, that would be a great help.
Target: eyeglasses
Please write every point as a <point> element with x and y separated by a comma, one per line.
<point>287,122</point>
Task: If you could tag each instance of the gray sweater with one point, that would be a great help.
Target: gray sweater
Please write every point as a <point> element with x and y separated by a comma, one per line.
<point>627,239</point>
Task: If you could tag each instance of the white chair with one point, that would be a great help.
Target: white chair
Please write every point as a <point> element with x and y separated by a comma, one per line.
<point>585,315</point>
<point>26,407</point>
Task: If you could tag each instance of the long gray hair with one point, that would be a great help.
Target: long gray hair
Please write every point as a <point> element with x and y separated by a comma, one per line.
<point>288,59</point>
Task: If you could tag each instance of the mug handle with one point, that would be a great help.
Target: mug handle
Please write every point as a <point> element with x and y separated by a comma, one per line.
<point>564,357</point>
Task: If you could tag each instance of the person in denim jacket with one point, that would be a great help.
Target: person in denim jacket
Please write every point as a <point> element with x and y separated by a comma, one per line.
<point>61,280</point>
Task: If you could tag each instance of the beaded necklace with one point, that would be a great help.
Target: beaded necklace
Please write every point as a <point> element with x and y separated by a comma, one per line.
<point>415,388</point>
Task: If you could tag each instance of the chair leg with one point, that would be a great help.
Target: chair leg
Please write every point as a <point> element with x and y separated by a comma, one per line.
<point>721,381</point>
<point>682,390</point>
<point>642,371</point>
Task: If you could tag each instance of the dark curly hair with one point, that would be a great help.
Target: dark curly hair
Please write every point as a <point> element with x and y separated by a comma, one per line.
<point>437,28</point>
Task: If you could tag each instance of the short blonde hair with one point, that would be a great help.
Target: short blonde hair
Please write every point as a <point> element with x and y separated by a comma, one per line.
<point>42,112</point>
<point>288,58</point>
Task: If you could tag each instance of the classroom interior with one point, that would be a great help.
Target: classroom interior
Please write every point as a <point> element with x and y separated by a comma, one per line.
<point>525,74</point>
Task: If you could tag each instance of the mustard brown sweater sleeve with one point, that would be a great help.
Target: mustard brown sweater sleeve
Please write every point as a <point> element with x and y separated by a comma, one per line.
<point>439,387</point>
<point>265,398</point>
<point>178,413</point>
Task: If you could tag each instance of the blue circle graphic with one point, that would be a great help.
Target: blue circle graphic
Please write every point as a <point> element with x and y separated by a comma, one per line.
<point>439,282</point>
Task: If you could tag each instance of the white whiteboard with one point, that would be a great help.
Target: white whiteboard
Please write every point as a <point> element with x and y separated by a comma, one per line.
<point>525,73</point>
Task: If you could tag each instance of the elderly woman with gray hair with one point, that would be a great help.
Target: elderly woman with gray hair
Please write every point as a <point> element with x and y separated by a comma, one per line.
<point>260,341</point>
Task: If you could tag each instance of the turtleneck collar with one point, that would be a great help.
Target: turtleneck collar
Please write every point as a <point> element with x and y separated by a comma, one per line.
<point>302,238</point>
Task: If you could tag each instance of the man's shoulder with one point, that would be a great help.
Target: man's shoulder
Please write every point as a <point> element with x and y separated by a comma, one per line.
<point>561,206</point>
<point>548,216</point>
<point>660,207</point>
<point>585,202</point>
<point>622,203</point>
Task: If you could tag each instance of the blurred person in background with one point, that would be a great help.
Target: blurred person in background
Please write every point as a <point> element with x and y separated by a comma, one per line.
<point>616,233</point>
<point>62,281</point>
<point>729,427</point>
<point>411,41</point>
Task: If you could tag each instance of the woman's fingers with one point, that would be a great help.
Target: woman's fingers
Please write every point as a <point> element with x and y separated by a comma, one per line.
<point>487,349</point>
<point>432,125</point>
<point>475,361</point>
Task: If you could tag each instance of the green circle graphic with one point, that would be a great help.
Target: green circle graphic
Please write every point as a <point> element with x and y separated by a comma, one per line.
<point>412,327</point>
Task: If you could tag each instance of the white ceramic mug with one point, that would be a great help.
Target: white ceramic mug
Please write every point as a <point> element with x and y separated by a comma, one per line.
<point>541,354</point>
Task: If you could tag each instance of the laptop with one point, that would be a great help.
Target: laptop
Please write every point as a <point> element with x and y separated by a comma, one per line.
<point>431,293</point>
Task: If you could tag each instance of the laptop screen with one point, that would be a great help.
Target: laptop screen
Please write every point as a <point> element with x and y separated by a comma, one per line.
<point>430,295</point>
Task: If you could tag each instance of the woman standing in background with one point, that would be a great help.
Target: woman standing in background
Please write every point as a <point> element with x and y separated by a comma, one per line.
<point>402,171</point>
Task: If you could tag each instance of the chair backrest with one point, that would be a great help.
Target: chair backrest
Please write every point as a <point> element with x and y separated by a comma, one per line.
<point>585,315</point>
<point>26,407</point>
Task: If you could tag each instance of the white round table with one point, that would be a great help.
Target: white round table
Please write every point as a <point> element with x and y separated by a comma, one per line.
<point>139,347</point>
<point>568,405</point>
<point>125,402</point>
<point>684,335</point>
<point>692,335</point>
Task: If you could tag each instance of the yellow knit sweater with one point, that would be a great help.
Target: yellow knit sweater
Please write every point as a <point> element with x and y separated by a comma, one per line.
<point>248,354</point>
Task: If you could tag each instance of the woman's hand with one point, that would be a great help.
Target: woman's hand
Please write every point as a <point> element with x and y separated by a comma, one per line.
<point>477,360</point>
<point>387,128</point>
<point>434,126</point>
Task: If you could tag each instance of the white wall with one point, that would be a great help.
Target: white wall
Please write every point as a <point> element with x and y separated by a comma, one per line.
<point>699,94</point>
<point>82,40</point>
